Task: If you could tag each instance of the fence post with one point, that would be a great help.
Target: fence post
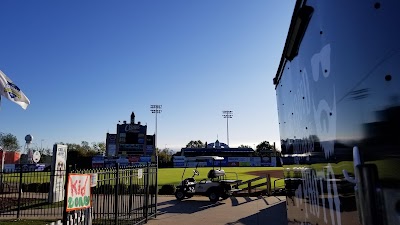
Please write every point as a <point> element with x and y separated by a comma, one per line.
<point>146,209</point>
<point>156,189</point>
<point>269,184</point>
<point>116,196</point>
<point>19,192</point>
<point>65,214</point>
<point>131,174</point>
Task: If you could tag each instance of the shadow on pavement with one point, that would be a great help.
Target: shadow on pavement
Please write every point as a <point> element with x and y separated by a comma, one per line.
<point>187,206</point>
<point>235,201</point>
<point>273,215</point>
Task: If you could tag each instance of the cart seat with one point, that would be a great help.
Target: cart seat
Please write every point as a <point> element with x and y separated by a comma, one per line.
<point>215,173</point>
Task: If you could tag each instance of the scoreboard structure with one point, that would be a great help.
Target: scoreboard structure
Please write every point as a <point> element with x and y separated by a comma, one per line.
<point>130,140</point>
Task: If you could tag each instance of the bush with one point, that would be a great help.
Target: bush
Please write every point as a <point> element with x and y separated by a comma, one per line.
<point>33,187</point>
<point>104,189</point>
<point>44,187</point>
<point>134,188</point>
<point>152,189</point>
<point>24,187</point>
<point>167,189</point>
<point>122,189</point>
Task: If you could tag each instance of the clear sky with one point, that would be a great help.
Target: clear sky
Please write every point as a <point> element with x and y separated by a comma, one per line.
<point>85,65</point>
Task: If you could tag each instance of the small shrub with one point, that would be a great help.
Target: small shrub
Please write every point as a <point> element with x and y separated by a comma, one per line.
<point>152,189</point>
<point>123,189</point>
<point>104,189</point>
<point>33,187</point>
<point>167,189</point>
<point>134,188</point>
<point>24,187</point>
<point>44,187</point>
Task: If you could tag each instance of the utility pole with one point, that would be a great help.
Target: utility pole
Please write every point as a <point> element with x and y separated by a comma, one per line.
<point>228,114</point>
<point>156,109</point>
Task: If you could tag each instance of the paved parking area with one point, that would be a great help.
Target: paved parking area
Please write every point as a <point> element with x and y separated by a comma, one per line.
<point>232,211</point>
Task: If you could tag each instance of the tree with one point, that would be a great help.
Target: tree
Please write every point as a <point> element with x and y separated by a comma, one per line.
<point>244,146</point>
<point>264,147</point>
<point>99,147</point>
<point>165,157</point>
<point>195,144</point>
<point>9,142</point>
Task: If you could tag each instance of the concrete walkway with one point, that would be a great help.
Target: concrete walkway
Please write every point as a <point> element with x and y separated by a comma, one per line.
<point>232,211</point>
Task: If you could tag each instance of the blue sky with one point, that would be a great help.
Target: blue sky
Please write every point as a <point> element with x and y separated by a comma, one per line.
<point>85,65</point>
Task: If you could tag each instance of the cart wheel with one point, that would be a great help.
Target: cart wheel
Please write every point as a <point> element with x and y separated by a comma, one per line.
<point>213,196</point>
<point>179,195</point>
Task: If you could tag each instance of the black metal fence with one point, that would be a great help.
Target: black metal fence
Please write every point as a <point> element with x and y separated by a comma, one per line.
<point>123,195</point>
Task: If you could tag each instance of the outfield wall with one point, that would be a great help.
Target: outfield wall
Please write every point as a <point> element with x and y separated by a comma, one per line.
<point>182,161</point>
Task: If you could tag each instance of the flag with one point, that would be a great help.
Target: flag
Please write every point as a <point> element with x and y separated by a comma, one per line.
<point>12,92</point>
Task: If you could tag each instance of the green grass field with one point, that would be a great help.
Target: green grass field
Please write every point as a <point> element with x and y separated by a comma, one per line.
<point>165,175</point>
<point>174,175</point>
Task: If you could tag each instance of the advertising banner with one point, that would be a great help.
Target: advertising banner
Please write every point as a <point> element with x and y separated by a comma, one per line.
<point>233,163</point>
<point>238,159</point>
<point>149,149</point>
<point>78,192</point>
<point>244,163</point>
<point>145,158</point>
<point>111,141</point>
<point>273,161</point>
<point>93,179</point>
<point>255,163</point>
<point>123,161</point>
<point>194,164</point>
<point>98,161</point>
<point>179,164</point>
<point>134,128</point>
<point>110,163</point>
<point>59,167</point>
<point>9,167</point>
<point>132,159</point>
<point>28,167</point>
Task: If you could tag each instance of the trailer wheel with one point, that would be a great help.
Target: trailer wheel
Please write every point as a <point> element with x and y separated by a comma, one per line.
<point>213,195</point>
<point>179,195</point>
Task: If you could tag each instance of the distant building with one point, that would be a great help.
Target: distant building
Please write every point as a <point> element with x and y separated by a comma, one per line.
<point>131,140</point>
<point>10,157</point>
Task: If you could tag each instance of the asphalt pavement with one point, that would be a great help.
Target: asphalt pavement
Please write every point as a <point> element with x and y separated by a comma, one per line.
<point>232,211</point>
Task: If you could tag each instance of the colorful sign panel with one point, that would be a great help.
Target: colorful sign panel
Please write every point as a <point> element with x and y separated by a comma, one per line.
<point>57,181</point>
<point>111,144</point>
<point>78,192</point>
<point>93,179</point>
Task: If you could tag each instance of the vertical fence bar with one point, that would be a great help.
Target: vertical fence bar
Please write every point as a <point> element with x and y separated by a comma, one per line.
<point>19,193</point>
<point>156,194</point>
<point>269,184</point>
<point>65,214</point>
<point>146,200</point>
<point>116,196</point>
<point>130,191</point>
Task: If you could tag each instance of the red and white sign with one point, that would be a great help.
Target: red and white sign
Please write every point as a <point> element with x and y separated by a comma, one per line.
<point>78,192</point>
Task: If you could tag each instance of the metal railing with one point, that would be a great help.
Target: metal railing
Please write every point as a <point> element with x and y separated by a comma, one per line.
<point>123,195</point>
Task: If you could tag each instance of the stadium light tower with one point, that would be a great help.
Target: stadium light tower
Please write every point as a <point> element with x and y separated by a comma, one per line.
<point>228,115</point>
<point>156,109</point>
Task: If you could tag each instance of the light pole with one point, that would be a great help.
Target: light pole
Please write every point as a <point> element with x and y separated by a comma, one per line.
<point>156,109</point>
<point>228,114</point>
